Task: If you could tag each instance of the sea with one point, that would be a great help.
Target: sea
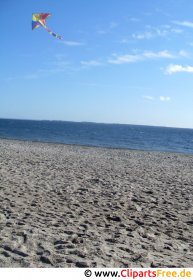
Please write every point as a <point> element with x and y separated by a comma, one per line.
<point>134,137</point>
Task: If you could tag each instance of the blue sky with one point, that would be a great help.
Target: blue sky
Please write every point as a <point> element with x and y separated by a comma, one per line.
<point>120,61</point>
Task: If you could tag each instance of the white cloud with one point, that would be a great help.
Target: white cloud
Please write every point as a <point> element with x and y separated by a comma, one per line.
<point>175,68</point>
<point>127,58</point>
<point>164,98</point>
<point>130,58</point>
<point>183,53</point>
<point>160,98</point>
<point>152,32</point>
<point>134,19</point>
<point>184,23</point>
<point>148,97</point>
<point>144,35</point>
<point>177,30</point>
<point>125,41</point>
<point>113,25</point>
<point>73,43</point>
<point>105,30</point>
<point>91,63</point>
<point>24,77</point>
<point>161,54</point>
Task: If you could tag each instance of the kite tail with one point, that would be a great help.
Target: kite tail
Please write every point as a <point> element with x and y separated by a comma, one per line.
<point>52,33</point>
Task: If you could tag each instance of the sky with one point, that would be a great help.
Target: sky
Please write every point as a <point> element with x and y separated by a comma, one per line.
<point>120,61</point>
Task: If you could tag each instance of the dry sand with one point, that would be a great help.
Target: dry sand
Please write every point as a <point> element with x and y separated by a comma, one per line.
<point>71,206</point>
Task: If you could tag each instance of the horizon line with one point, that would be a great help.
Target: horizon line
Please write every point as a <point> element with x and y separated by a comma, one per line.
<point>93,122</point>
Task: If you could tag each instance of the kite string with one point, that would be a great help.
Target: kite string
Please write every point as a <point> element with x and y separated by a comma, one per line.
<point>51,32</point>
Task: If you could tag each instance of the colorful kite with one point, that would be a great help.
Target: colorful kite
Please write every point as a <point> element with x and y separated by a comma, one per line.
<point>40,20</point>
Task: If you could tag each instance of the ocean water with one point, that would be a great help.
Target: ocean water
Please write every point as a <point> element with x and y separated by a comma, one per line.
<point>136,137</point>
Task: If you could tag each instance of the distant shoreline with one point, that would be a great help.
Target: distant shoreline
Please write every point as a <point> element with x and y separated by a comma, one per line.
<point>95,147</point>
<point>99,123</point>
<point>116,136</point>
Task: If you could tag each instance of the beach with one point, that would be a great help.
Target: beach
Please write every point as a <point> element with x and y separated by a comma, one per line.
<point>75,206</point>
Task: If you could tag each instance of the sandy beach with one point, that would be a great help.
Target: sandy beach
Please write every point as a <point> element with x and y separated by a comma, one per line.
<point>73,206</point>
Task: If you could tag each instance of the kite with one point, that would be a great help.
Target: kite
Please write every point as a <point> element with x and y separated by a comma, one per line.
<point>40,20</point>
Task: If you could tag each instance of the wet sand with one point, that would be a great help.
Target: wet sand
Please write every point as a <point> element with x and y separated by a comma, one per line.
<point>72,206</point>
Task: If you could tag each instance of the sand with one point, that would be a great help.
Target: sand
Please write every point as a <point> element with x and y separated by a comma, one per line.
<point>72,206</point>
